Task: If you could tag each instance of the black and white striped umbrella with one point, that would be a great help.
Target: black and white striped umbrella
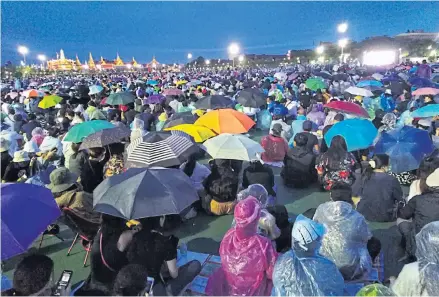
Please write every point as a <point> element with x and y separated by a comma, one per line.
<point>162,149</point>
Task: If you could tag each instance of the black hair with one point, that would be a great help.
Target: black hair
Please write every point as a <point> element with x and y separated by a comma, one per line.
<point>190,165</point>
<point>374,247</point>
<point>301,139</point>
<point>336,152</point>
<point>339,117</point>
<point>341,192</point>
<point>381,160</point>
<point>130,281</point>
<point>91,103</point>
<point>70,113</point>
<point>32,274</point>
<point>75,148</point>
<point>117,148</point>
<point>32,117</point>
<point>428,165</point>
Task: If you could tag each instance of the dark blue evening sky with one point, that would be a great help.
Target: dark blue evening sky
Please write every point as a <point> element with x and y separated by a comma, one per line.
<point>169,30</point>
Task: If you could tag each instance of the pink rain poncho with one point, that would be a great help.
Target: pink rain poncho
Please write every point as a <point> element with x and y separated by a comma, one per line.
<point>247,258</point>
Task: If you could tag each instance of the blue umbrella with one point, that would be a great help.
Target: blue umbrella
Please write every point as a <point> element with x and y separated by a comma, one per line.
<point>421,82</point>
<point>26,211</point>
<point>426,111</point>
<point>406,147</point>
<point>195,82</point>
<point>366,83</point>
<point>95,90</point>
<point>358,133</point>
<point>152,82</point>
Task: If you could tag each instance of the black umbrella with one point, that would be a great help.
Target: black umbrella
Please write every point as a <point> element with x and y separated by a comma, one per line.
<point>105,137</point>
<point>179,119</point>
<point>83,90</point>
<point>251,98</point>
<point>324,75</point>
<point>120,98</point>
<point>162,149</point>
<point>214,102</point>
<point>340,76</point>
<point>144,192</point>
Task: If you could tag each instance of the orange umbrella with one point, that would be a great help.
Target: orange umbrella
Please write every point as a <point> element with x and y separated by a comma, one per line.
<point>226,121</point>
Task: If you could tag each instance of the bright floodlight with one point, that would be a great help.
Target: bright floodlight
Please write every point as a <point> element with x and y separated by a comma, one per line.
<point>342,42</point>
<point>23,50</point>
<point>429,47</point>
<point>189,56</point>
<point>22,63</point>
<point>207,62</point>
<point>241,58</point>
<point>342,28</point>
<point>42,58</point>
<point>233,49</point>
<point>320,49</point>
<point>379,58</point>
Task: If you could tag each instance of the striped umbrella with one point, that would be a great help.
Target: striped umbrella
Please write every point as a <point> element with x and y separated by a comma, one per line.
<point>162,149</point>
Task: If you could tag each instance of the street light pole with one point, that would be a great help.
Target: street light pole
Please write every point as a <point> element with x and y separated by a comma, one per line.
<point>23,51</point>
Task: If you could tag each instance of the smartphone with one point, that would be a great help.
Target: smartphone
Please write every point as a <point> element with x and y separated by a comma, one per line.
<point>63,283</point>
<point>149,285</point>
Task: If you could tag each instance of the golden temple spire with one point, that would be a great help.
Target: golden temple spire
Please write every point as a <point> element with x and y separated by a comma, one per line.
<point>118,61</point>
<point>91,62</point>
<point>61,55</point>
<point>135,62</point>
<point>102,61</point>
<point>78,63</point>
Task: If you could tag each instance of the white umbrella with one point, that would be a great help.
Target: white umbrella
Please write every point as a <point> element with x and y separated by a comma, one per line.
<point>33,84</point>
<point>378,76</point>
<point>359,92</point>
<point>232,146</point>
<point>281,76</point>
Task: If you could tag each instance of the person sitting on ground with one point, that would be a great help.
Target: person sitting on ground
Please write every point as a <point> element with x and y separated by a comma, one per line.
<point>377,190</point>
<point>299,164</point>
<point>339,117</point>
<point>138,129</point>
<point>347,234</point>
<point>18,168</point>
<point>27,128</point>
<point>286,129</point>
<point>312,144</point>
<point>247,259</point>
<point>5,156</point>
<point>196,172</point>
<point>130,281</point>
<point>274,145</point>
<point>428,165</point>
<point>258,173</point>
<point>33,276</point>
<point>302,271</point>
<point>420,278</point>
<point>336,165</point>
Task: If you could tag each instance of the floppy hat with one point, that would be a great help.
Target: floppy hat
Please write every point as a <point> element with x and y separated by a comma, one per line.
<point>20,156</point>
<point>61,179</point>
<point>4,145</point>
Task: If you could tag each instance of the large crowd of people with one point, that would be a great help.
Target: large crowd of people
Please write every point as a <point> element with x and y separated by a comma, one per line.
<point>55,134</point>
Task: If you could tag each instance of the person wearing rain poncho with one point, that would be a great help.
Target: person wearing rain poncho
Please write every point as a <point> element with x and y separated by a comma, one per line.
<point>247,259</point>
<point>137,129</point>
<point>421,278</point>
<point>302,271</point>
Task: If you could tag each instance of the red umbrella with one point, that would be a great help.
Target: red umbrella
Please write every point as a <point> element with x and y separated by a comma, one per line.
<point>348,107</point>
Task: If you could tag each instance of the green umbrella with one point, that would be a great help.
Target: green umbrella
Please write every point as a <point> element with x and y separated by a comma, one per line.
<point>120,98</point>
<point>78,132</point>
<point>315,83</point>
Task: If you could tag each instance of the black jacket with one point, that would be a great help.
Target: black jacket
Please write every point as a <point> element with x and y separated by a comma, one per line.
<point>299,168</point>
<point>423,209</point>
<point>259,174</point>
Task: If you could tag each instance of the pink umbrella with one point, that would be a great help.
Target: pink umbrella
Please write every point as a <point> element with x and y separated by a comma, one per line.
<point>426,91</point>
<point>173,92</point>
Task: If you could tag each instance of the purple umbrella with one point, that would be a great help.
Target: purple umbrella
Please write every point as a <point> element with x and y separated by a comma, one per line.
<point>293,76</point>
<point>26,211</point>
<point>154,99</point>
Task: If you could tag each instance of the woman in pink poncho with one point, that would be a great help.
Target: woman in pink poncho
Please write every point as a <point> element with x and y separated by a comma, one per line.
<point>247,259</point>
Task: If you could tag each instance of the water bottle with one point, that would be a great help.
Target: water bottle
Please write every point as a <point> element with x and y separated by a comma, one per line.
<point>183,250</point>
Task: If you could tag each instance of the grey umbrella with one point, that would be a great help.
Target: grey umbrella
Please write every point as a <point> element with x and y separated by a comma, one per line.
<point>144,192</point>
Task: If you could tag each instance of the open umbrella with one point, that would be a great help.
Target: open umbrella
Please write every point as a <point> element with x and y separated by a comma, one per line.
<point>426,111</point>
<point>293,76</point>
<point>199,133</point>
<point>49,101</point>
<point>214,102</point>
<point>359,92</point>
<point>425,91</point>
<point>160,149</point>
<point>341,76</point>
<point>95,90</point>
<point>12,95</point>
<point>180,118</point>
<point>152,82</point>
<point>251,98</point>
<point>172,92</point>
<point>421,82</point>
<point>280,76</point>
<point>232,146</point>
<point>195,82</point>
<point>226,121</point>
<point>358,133</point>
<point>323,74</point>
<point>33,93</point>
<point>348,107</point>
<point>79,131</point>
<point>315,84</point>
<point>365,83</point>
<point>406,147</point>
<point>144,192</point>
<point>181,82</point>
<point>26,211</point>
<point>154,99</point>
<point>105,137</point>
<point>120,98</point>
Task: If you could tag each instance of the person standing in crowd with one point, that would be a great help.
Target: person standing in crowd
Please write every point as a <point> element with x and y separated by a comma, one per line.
<point>28,127</point>
<point>424,70</point>
<point>274,145</point>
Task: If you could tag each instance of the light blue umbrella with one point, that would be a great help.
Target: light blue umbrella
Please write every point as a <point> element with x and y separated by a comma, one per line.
<point>95,90</point>
<point>152,82</point>
<point>358,133</point>
<point>365,83</point>
<point>426,111</point>
<point>195,82</point>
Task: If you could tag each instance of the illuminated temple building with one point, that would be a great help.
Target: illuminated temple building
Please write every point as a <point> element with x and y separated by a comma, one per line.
<point>61,63</point>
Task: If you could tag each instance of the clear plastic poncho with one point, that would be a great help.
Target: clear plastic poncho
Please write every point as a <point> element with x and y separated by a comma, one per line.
<point>427,253</point>
<point>302,271</point>
<point>345,240</point>
<point>247,259</point>
<point>375,290</point>
<point>263,120</point>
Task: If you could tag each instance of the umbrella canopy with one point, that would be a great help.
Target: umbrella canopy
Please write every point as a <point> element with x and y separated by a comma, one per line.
<point>199,133</point>
<point>154,99</point>
<point>120,98</point>
<point>160,149</point>
<point>406,147</point>
<point>105,137</point>
<point>195,82</point>
<point>359,92</point>
<point>12,95</point>
<point>315,84</point>
<point>33,93</point>
<point>293,76</point>
<point>378,76</point>
<point>144,192</point>
<point>426,111</point>
<point>49,101</point>
<point>152,82</point>
<point>425,91</point>
<point>348,107</point>
<point>79,131</point>
<point>26,211</point>
<point>340,76</point>
<point>226,121</point>
<point>323,74</point>
<point>251,98</point>
<point>180,118</point>
<point>232,146</point>
<point>172,92</point>
<point>421,82</point>
<point>181,82</point>
<point>365,83</point>
<point>358,133</point>
<point>95,90</point>
<point>280,76</point>
<point>214,102</point>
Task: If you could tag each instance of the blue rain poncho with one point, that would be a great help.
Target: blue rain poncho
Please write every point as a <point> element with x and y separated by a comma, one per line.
<point>345,240</point>
<point>302,271</point>
<point>427,253</point>
<point>263,120</point>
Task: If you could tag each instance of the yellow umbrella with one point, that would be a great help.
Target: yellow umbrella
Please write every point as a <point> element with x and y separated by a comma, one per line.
<point>181,82</point>
<point>49,101</point>
<point>199,133</point>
